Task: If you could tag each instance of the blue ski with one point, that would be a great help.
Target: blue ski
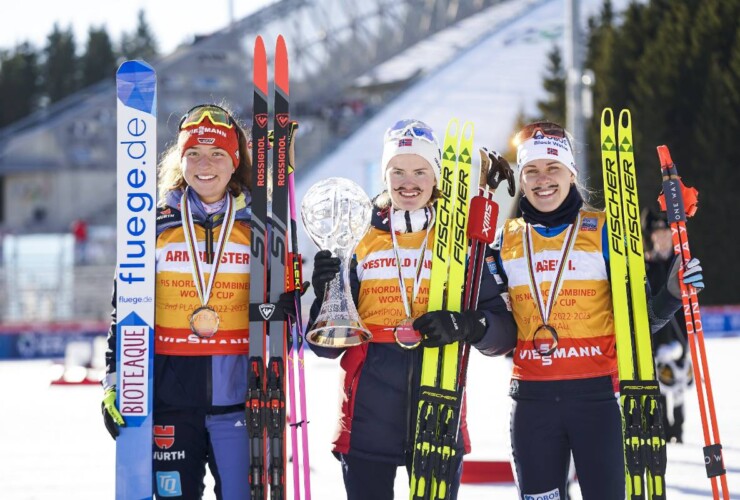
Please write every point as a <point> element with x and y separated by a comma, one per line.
<point>136,144</point>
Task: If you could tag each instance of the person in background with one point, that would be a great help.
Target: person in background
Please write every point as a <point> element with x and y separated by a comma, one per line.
<point>670,346</point>
<point>79,232</point>
<point>381,379</point>
<point>554,262</point>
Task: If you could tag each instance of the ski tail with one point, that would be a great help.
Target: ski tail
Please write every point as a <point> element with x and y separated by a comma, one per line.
<point>256,398</point>
<point>136,139</point>
<point>675,199</point>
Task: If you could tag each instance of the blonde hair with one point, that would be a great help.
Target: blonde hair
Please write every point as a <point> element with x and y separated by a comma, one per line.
<point>170,176</point>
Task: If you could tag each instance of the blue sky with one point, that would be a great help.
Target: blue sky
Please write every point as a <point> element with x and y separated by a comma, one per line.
<point>33,20</point>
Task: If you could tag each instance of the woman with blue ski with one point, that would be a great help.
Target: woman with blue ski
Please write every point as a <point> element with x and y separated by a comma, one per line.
<point>202,299</point>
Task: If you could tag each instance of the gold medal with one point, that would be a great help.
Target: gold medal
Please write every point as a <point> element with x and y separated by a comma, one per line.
<point>405,335</point>
<point>545,346</point>
<point>204,322</point>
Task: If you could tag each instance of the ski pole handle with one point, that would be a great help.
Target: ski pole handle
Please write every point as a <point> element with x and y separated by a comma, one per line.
<point>482,219</point>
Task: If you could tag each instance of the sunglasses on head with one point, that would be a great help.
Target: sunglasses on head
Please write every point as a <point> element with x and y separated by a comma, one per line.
<point>549,129</point>
<point>216,114</point>
<point>411,127</point>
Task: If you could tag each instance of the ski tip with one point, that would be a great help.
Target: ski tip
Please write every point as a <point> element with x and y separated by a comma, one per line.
<point>468,130</point>
<point>259,43</point>
<point>665,156</point>
<point>259,65</point>
<point>134,66</point>
<point>281,64</point>
<point>625,118</point>
<point>453,127</point>
<point>607,117</point>
<point>136,86</point>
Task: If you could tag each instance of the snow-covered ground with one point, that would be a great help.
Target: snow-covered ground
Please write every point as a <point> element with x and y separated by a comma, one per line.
<point>54,446</point>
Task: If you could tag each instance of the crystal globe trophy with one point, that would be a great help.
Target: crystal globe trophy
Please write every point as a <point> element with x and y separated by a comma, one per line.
<point>336,214</point>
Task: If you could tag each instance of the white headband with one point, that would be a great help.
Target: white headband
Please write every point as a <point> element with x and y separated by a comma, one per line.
<point>411,145</point>
<point>545,147</point>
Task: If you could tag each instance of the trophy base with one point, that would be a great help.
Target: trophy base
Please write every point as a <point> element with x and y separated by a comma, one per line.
<point>338,333</point>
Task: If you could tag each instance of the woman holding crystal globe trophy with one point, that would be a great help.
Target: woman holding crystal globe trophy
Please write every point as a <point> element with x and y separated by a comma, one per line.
<point>371,307</point>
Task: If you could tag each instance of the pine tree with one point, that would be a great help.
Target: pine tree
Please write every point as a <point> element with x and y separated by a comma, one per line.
<point>140,44</point>
<point>676,66</point>
<point>60,68</point>
<point>553,107</point>
<point>98,62</point>
<point>19,83</point>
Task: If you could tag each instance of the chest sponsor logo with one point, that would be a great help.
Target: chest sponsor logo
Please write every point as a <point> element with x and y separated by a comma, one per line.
<point>589,224</point>
<point>491,263</point>
<point>560,353</point>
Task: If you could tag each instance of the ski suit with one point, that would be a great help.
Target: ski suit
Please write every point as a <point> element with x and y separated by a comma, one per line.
<point>200,385</point>
<point>565,402</point>
<point>380,379</point>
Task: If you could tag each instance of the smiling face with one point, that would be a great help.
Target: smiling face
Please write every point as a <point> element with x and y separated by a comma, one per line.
<point>207,170</point>
<point>546,184</point>
<point>410,180</point>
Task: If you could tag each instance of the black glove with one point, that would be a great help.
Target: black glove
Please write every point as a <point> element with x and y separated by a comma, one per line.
<point>286,302</point>
<point>439,328</point>
<point>325,267</point>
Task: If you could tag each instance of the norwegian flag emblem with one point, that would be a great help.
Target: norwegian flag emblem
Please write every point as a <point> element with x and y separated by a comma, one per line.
<point>552,151</point>
<point>407,142</point>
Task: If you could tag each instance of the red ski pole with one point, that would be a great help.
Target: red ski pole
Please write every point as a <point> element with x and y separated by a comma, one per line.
<point>679,202</point>
<point>481,231</point>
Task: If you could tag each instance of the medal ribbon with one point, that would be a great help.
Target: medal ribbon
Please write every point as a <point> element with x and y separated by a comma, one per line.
<point>419,264</point>
<point>204,294</point>
<point>545,306</point>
